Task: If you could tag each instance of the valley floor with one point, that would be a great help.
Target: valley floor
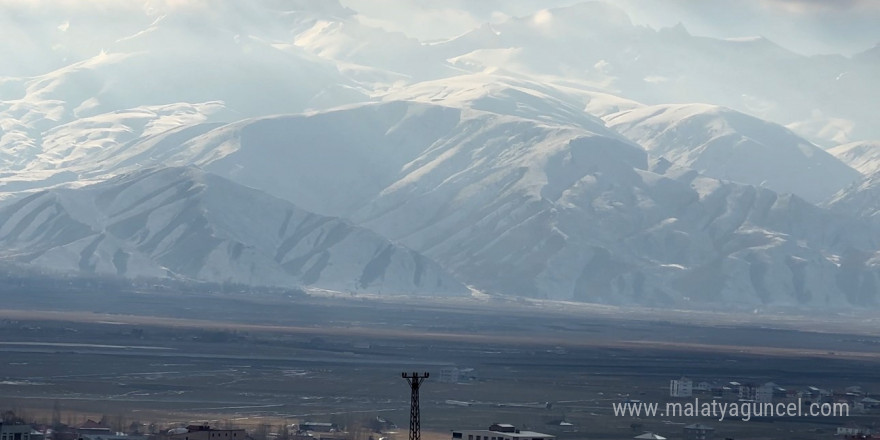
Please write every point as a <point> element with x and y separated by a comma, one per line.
<point>252,359</point>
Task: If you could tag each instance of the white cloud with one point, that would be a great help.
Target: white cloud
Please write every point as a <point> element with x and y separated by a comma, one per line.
<point>815,6</point>
<point>102,6</point>
<point>498,17</point>
<point>422,20</point>
<point>543,17</point>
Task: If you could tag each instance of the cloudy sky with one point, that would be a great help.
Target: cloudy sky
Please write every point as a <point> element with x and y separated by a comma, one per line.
<point>806,26</point>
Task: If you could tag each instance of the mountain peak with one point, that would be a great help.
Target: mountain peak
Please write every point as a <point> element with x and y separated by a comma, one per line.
<point>678,29</point>
<point>730,145</point>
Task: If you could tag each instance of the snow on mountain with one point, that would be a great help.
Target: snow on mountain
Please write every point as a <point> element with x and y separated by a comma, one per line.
<point>861,199</point>
<point>100,146</point>
<point>862,156</point>
<point>508,95</point>
<point>97,147</point>
<point>521,207</point>
<point>182,222</point>
<point>352,42</point>
<point>187,56</point>
<point>711,241</point>
<point>596,43</point>
<point>485,153</point>
<point>168,71</point>
<point>545,41</point>
<point>159,68</point>
<point>870,56</point>
<point>726,144</point>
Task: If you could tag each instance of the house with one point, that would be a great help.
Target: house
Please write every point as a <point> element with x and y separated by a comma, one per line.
<point>318,427</point>
<point>383,424</point>
<point>855,390</point>
<point>769,392</point>
<point>817,394</point>
<point>748,392</point>
<point>732,389</point>
<point>697,431</point>
<point>92,430</point>
<point>500,431</point>
<point>456,375</point>
<point>10,431</point>
<point>109,436</point>
<point>869,403</point>
<point>649,436</point>
<point>449,375</point>
<point>567,426</point>
<point>205,432</point>
<point>683,387</point>
<point>853,430</point>
<point>704,386</point>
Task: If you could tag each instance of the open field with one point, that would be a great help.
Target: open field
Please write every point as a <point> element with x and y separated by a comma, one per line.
<point>273,359</point>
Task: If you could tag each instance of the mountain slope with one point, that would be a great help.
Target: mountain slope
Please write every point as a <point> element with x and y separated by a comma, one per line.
<point>182,222</point>
<point>520,207</point>
<point>176,68</point>
<point>861,199</point>
<point>726,144</point>
<point>521,97</point>
<point>862,156</point>
<point>597,44</point>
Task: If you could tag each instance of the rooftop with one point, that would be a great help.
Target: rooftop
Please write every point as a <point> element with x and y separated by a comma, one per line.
<point>518,434</point>
<point>699,426</point>
<point>508,431</point>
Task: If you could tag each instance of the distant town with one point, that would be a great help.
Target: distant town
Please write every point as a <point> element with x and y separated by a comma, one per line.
<point>860,401</point>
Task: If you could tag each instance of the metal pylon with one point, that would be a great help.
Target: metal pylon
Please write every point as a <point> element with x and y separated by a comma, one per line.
<point>415,426</point>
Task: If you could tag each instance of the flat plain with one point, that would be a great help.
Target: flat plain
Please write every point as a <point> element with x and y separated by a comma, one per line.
<point>246,359</point>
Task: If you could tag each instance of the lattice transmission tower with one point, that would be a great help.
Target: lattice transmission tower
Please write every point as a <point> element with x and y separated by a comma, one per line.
<point>415,381</point>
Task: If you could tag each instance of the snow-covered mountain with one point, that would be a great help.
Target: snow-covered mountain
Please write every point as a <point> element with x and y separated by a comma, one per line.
<point>516,96</point>
<point>93,147</point>
<point>521,207</point>
<point>182,222</point>
<point>862,156</point>
<point>219,64</point>
<point>539,207</point>
<point>825,98</point>
<point>729,145</point>
<point>861,199</point>
<point>551,155</point>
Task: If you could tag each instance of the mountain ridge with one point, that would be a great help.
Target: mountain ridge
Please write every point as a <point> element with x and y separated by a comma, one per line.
<point>182,222</point>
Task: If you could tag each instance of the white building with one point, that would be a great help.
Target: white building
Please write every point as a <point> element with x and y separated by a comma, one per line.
<point>851,429</point>
<point>10,431</point>
<point>748,392</point>
<point>683,387</point>
<point>703,386</point>
<point>456,375</point>
<point>450,375</point>
<point>697,431</point>
<point>764,393</point>
<point>649,436</point>
<point>500,431</point>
